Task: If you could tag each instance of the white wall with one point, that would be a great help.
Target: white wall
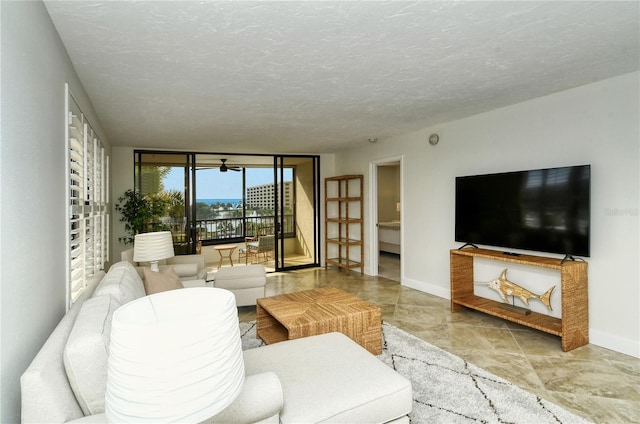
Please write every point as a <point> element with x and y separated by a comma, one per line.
<point>121,180</point>
<point>596,124</point>
<point>33,279</point>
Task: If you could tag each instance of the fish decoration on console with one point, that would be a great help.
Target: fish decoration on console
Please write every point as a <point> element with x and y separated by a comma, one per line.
<point>508,288</point>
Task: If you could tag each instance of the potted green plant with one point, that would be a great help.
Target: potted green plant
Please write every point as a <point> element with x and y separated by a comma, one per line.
<point>140,214</point>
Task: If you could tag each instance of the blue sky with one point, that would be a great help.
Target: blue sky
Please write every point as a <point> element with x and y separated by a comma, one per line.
<point>213,184</point>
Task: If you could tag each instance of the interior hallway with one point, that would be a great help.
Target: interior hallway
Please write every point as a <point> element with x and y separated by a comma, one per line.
<point>596,383</point>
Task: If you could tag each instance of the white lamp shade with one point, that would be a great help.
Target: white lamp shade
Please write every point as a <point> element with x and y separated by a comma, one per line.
<point>174,356</point>
<point>154,246</point>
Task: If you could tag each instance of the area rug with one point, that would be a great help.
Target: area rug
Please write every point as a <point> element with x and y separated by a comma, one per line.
<point>448,389</point>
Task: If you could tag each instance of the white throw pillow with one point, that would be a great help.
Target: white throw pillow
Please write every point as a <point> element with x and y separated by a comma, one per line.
<point>87,350</point>
<point>122,282</point>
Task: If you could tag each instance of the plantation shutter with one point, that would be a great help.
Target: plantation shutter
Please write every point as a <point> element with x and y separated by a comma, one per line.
<point>87,174</point>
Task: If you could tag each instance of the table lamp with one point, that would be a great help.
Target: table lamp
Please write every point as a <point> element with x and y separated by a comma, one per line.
<point>174,356</point>
<point>153,247</point>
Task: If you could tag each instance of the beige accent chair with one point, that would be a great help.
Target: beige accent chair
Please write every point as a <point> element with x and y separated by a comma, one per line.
<point>247,283</point>
<point>188,267</point>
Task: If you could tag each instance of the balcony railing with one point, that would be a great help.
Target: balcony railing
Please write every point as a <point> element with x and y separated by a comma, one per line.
<point>221,229</point>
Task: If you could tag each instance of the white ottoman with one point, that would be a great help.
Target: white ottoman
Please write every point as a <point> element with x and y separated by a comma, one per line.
<point>331,379</point>
<point>245,282</point>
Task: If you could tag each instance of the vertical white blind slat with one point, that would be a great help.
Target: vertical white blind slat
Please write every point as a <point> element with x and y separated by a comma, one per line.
<point>88,229</point>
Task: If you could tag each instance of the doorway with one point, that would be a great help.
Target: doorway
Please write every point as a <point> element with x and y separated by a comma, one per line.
<point>386,213</point>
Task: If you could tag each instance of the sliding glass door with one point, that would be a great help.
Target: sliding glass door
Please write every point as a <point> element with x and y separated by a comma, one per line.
<point>212,199</point>
<point>297,205</point>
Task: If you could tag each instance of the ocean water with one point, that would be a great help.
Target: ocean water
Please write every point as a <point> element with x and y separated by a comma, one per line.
<point>225,201</point>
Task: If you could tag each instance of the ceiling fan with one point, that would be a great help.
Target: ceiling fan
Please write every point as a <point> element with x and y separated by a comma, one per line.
<point>225,168</point>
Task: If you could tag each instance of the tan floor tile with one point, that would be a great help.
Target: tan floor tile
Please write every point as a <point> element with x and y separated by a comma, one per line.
<point>594,378</point>
<point>597,383</point>
<point>389,267</point>
<point>534,342</point>
<point>387,311</point>
<point>484,338</point>
<point>437,335</point>
<point>407,296</point>
<point>474,318</point>
<point>599,409</point>
<point>628,365</point>
<point>423,317</point>
<point>514,367</point>
<point>381,293</point>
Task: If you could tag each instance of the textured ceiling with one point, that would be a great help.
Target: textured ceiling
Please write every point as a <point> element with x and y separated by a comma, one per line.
<point>314,77</point>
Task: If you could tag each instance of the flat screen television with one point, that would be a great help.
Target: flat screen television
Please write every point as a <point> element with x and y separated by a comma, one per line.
<point>545,210</point>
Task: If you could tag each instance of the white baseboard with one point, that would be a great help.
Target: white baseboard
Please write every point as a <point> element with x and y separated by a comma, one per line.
<point>619,344</point>
<point>433,289</point>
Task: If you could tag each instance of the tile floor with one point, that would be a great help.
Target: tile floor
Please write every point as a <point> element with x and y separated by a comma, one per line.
<point>596,383</point>
<point>389,266</point>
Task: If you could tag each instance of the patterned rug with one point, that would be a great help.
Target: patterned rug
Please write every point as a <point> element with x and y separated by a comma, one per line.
<point>448,389</point>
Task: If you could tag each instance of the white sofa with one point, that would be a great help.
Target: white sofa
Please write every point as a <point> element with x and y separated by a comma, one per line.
<point>188,267</point>
<point>326,378</point>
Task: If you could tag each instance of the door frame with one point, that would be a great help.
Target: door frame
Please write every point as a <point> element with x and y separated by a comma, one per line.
<point>279,164</point>
<point>373,213</point>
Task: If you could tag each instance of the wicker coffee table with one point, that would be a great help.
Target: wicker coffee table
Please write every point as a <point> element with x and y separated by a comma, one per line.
<point>312,312</point>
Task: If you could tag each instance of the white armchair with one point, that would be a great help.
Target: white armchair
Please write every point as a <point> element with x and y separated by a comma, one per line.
<point>188,267</point>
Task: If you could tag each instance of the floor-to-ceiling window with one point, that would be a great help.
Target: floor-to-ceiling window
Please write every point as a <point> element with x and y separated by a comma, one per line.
<point>165,180</point>
<point>214,199</point>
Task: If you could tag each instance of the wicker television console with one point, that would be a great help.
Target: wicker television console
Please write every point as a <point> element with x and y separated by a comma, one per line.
<point>573,327</point>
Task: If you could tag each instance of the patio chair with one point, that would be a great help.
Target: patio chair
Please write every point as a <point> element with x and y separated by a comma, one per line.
<point>242,252</point>
<point>263,246</point>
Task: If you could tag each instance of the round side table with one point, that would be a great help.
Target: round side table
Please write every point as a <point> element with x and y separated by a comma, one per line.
<point>225,251</point>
